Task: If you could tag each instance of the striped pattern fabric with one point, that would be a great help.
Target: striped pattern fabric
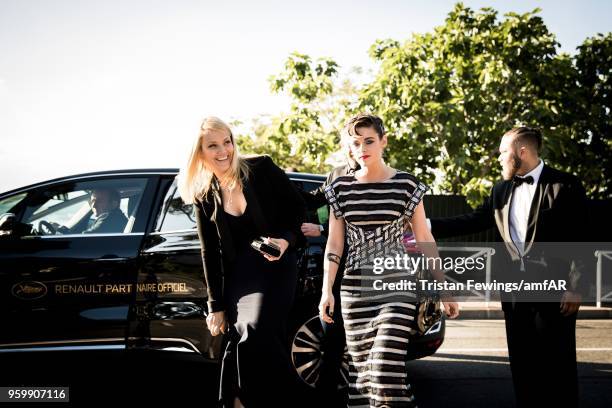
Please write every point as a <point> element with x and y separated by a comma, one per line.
<point>377,323</point>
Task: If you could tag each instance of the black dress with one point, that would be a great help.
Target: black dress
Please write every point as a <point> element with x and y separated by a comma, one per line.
<point>258,296</point>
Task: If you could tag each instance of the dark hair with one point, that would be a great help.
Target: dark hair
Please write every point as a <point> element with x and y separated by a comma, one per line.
<point>526,135</point>
<point>365,120</point>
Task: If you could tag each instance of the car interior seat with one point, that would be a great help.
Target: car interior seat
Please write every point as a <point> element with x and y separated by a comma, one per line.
<point>132,207</point>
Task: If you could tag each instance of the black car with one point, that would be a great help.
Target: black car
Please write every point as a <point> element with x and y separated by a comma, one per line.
<point>67,287</point>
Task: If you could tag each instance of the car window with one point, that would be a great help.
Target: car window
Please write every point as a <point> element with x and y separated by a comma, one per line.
<point>7,204</point>
<point>309,186</point>
<point>178,215</point>
<point>62,207</point>
<point>322,213</point>
<point>86,207</point>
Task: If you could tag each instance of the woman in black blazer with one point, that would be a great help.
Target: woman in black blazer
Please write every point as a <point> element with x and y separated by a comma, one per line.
<point>250,294</point>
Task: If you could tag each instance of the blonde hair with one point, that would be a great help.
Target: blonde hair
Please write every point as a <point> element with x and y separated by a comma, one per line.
<point>196,178</point>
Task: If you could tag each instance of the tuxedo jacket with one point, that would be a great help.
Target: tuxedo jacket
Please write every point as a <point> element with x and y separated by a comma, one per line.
<point>316,198</point>
<point>556,215</point>
<point>278,211</point>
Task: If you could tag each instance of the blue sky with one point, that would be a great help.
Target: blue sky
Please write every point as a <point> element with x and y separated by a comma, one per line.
<point>95,85</point>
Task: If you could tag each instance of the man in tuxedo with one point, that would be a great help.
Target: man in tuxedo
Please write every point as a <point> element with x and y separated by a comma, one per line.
<point>533,204</point>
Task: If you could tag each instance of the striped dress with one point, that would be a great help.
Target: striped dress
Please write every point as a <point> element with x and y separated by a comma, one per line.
<point>377,322</point>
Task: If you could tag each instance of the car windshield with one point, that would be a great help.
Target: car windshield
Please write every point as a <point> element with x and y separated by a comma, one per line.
<point>64,207</point>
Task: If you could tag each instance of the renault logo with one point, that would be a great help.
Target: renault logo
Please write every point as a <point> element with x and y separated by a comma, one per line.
<point>29,290</point>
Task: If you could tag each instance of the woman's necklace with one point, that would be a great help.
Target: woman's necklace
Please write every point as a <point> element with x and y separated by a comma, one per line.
<point>229,194</point>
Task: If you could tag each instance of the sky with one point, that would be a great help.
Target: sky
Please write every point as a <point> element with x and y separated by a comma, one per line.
<point>117,84</point>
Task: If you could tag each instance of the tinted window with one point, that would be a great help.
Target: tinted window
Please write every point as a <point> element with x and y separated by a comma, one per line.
<point>306,185</point>
<point>7,204</point>
<point>322,213</point>
<point>310,185</point>
<point>178,215</point>
<point>87,207</point>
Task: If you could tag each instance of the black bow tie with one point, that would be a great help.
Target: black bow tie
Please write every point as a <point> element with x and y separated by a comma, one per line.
<point>517,181</point>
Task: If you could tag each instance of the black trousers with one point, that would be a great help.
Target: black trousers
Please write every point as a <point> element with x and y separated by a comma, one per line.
<point>256,366</point>
<point>542,350</point>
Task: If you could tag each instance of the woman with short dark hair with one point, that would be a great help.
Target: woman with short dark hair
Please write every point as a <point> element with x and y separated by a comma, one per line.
<point>372,209</point>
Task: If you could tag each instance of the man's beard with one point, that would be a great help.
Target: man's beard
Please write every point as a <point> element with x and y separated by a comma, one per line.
<point>516,164</point>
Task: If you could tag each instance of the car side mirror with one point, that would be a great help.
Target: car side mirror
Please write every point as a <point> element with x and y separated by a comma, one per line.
<point>8,222</point>
<point>10,226</point>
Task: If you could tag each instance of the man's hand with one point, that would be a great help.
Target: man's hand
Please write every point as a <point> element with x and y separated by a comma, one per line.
<point>451,308</point>
<point>311,230</point>
<point>60,228</point>
<point>570,303</point>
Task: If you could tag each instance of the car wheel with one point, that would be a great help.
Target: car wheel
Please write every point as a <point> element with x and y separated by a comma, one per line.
<point>307,354</point>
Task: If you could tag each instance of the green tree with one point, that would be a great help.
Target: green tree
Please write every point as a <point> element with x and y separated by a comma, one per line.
<point>448,95</point>
<point>308,134</point>
<point>588,116</point>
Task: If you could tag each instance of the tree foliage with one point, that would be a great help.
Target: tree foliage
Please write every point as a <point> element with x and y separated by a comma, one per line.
<point>306,136</point>
<point>448,95</point>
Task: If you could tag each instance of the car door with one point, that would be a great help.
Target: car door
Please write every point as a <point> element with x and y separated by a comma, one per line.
<point>68,275</point>
<point>310,255</point>
<point>171,302</point>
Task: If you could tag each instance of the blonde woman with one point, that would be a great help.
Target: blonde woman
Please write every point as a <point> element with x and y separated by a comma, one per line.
<point>238,200</point>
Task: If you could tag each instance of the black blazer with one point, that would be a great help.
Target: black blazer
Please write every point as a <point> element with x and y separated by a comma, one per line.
<point>558,200</point>
<point>316,198</point>
<point>278,211</point>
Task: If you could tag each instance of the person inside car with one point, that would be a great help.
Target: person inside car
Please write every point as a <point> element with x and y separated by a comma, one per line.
<point>108,217</point>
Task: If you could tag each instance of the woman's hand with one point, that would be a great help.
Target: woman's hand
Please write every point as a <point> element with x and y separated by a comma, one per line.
<point>327,304</point>
<point>216,323</point>
<point>282,243</point>
<point>451,308</point>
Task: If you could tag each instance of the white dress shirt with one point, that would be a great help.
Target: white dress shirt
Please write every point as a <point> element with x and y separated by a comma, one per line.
<point>520,207</point>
